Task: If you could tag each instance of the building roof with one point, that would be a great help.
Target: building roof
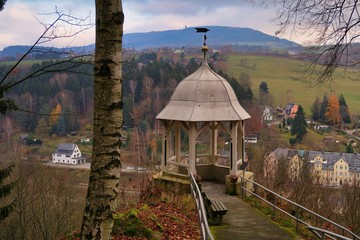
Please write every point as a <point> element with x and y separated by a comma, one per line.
<point>203,96</point>
<point>65,148</point>
<point>330,158</point>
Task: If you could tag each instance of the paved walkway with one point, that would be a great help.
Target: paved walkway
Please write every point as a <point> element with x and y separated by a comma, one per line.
<point>242,221</point>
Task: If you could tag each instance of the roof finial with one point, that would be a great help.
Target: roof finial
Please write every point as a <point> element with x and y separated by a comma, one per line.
<point>204,48</point>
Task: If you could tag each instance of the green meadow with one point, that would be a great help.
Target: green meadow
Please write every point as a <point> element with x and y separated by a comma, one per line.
<point>289,80</point>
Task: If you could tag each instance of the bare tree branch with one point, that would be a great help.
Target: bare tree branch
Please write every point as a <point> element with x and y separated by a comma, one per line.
<point>332,24</point>
<point>64,26</point>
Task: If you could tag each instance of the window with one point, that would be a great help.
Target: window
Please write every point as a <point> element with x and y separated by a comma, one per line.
<point>341,173</point>
<point>341,167</point>
<point>67,156</point>
<point>59,155</point>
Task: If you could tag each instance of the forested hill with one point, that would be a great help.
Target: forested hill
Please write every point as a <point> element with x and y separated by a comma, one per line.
<point>187,37</point>
<point>217,35</point>
<point>62,100</point>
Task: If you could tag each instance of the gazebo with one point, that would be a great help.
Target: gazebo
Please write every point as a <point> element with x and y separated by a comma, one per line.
<point>202,104</point>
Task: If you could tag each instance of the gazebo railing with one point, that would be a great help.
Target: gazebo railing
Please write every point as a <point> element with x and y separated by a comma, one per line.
<point>203,159</point>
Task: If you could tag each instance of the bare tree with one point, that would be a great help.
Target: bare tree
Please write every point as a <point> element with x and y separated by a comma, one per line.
<point>105,167</point>
<point>133,84</point>
<point>334,26</point>
<point>8,128</point>
<point>351,209</point>
<point>48,202</point>
<point>52,31</point>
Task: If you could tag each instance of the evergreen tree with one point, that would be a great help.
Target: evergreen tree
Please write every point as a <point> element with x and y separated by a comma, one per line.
<point>5,190</point>
<point>264,96</point>
<point>299,125</point>
<point>61,126</point>
<point>344,110</point>
<point>315,109</point>
<point>264,87</point>
<point>349,148</point>
<point>323,109</point>
<point>42,127</point>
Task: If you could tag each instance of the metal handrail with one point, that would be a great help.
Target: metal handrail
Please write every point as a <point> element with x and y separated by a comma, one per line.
<point>322,233</point>
<point>298,220</point>
<point>195,191</point>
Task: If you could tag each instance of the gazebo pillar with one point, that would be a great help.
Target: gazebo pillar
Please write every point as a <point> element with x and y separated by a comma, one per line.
<point>178,142</point>
<point>213,142</point>
<point>234,147</point>
<point>166,147</point>
<point>241,140</point>
<point>192,147</point>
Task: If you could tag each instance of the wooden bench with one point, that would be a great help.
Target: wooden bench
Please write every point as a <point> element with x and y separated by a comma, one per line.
<point>215,210</point>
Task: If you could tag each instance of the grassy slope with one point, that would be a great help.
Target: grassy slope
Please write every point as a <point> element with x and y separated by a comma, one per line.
<point>285,76</point>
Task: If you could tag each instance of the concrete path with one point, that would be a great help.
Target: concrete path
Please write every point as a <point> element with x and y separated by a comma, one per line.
<point>242,221</point>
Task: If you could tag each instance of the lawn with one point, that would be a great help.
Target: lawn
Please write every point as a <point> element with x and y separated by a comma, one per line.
<point>286,79</point>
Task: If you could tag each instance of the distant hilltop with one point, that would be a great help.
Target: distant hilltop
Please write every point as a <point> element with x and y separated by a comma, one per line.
<point>217,36</point>
<point>187,37</point>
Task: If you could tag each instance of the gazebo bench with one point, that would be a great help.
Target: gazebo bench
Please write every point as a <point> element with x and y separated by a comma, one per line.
<point>215,210</point>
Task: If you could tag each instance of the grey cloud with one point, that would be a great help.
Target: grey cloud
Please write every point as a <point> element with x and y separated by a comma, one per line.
<point>182,7</point>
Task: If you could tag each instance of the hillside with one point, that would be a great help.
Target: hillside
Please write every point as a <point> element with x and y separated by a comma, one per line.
<point>287,81</point>
<point>186,37</point>
<point>217,36</point>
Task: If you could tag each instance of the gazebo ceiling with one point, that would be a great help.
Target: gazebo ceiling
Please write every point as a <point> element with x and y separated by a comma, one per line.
<point>203,96</point>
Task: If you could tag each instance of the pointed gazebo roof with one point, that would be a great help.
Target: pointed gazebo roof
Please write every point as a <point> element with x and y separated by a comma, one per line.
<point>203,96</point>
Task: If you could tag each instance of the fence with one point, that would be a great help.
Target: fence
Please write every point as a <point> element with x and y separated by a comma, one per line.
<point>319,232</point>
<point>195,191</point>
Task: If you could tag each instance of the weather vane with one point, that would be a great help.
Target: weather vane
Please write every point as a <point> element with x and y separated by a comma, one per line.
<point>204,48</point>
<point>203,30</point>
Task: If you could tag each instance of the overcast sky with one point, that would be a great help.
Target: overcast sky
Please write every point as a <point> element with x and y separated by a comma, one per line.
<point>19,21</point>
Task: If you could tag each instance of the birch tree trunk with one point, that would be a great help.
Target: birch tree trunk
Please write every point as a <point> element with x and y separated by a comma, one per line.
<point>105,166</point>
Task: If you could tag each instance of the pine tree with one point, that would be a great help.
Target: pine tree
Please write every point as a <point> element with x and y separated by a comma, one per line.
<point>299,125</point>
<point>349,148</point>
<point>333,110</point>
<point>264,96</point>
<point>42,127</point>
<point>344,110</point>
<point>323,109</point>
<point>61,126</point>
<point>315,109</point>
<point>264,87</point>
<point>5,190</point>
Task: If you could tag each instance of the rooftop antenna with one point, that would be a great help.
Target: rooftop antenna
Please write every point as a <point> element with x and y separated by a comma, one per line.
<point>203,30</point>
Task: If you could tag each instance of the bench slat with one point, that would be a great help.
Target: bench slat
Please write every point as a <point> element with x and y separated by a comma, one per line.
<point>218,207</point>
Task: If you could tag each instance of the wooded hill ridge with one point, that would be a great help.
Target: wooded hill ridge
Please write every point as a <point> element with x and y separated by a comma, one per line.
<point>186,37</point>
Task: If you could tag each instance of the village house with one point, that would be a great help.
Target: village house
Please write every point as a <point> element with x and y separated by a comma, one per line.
<point>290,110</point>
<point>328,168</point>
<point>68,153</point>
<point>267,114</point>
